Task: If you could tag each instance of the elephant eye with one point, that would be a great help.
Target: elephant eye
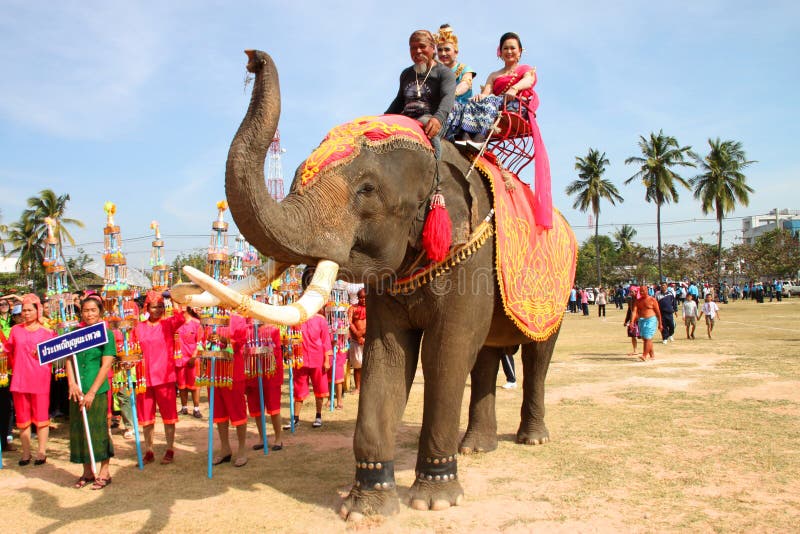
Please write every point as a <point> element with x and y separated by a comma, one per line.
<point>366,188</point>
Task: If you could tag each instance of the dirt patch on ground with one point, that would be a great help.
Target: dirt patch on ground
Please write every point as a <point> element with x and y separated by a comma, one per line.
<point>769,390</point>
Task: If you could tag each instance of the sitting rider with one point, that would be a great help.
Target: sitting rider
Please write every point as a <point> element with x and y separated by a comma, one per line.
<point>427,89</point>
<point>447,52</point>
<point>513,80</point>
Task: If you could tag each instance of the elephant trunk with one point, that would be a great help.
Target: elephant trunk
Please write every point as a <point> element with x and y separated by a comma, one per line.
<point>275,229</point>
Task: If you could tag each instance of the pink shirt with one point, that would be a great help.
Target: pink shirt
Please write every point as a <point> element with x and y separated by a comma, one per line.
<point>28,375</point>
<point>157,341</point>
<point>316,341</point>
<point>190,333</point>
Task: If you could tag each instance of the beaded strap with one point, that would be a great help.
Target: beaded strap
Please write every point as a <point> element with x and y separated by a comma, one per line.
<point>375,475</point>
<point>432,469</point>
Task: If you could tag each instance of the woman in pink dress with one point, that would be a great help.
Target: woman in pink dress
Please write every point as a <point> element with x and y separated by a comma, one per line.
<point>156,337</point>
<point>30,382</point>
<point>511,84</point>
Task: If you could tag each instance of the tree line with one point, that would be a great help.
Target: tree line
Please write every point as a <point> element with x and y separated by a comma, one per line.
<point>720,185</point>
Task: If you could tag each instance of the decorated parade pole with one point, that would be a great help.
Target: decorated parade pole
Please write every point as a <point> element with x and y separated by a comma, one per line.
<point>243,260</point>
<point>60,307</point>
<point>291,337</point>
<point>84,416</point>
<point>57,293</point>
<point>336,314</point>
<point>115,289</point>
<point>217,267</point>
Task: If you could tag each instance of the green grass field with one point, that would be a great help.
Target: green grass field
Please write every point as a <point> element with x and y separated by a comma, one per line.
<point>705,438</point>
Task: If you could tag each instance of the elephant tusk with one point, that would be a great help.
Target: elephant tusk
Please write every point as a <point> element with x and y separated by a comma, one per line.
<point>314,297</point>
<point>192,294</point>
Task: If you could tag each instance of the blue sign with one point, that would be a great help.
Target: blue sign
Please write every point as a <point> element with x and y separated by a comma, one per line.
<point>75,341</point>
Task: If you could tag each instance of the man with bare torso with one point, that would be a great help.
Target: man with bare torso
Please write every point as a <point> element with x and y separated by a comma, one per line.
<point>648,315</point>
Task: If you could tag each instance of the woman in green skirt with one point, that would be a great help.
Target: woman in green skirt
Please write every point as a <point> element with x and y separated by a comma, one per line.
<point>93,367</point>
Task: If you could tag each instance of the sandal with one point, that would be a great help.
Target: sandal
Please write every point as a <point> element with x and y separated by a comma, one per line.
<point>221,459</point>
<point>168,458</point>
<point>149,457</point>
<point>101,483</point>
<point>240,462</point>
<point>277,447</point>
<point>83,481</point>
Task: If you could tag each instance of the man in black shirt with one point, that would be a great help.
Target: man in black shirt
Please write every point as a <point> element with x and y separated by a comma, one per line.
<point>668,305</point>
<point>427,89</point>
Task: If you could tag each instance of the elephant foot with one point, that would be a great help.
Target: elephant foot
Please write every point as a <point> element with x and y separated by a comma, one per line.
<point>361,503</point>
<point>436,485</point>
<point>533,435</point>
<point>475,442</point>
<point>435,495</point>
<point>374,493</point>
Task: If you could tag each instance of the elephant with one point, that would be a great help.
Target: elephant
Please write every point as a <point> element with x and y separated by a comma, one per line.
<point>355,210</point>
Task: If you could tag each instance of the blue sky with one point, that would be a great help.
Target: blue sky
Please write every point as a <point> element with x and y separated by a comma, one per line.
<point>137,102</point>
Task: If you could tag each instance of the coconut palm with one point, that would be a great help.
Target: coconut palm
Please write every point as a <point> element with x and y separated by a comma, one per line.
<point>27,245</point>
<point>48,204</point>
<point>721,185</point>
<point>624,238</point>
<point>590,188</point>
<point>3,237</point>
<point>660,153</point>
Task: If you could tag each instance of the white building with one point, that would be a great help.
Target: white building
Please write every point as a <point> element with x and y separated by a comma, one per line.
<point>8,264</point>
<point>757,225</point>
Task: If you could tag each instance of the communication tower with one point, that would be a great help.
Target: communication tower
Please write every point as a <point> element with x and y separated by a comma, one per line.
<point>274,168</point>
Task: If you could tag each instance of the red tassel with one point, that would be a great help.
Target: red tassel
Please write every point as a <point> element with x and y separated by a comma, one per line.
<point>437,232</point>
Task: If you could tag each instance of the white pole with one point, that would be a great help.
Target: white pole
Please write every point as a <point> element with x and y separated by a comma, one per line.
<point>83,413</point>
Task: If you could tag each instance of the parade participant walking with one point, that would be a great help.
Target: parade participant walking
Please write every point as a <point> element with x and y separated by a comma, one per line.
<point>271,386</point>
<point>632,327</point>
<point>93,367</point>
<point>584,296</point>
<point>648,316</point>
<point>711,311</point>
<point>156,337</point>
<point>30,382</point>
<point>190,335</point>
<point>690,315</point>
<point>317,352</point>
<point>601,302</point>
<point>668,306</point>
<point>357,317</point>
<point>427,89</point>
<point>230,406</point>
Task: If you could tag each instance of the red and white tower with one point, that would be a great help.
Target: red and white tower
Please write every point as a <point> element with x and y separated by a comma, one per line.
<point>274,168</point>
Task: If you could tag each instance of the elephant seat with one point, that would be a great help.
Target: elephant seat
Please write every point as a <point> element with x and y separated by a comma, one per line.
<point>512,140</point>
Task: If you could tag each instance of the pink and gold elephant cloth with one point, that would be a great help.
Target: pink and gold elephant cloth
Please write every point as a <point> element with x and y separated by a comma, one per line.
<point>535,267</point>
<point>343,143</point>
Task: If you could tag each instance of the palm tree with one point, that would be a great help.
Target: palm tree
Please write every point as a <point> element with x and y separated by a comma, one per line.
<point>589,188</point>
<point>624,239</point>
<point>48,204</point>
<point>26,243</point>
<point>3,238</point>
<point>722,184</point>
<point>660,153</point>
